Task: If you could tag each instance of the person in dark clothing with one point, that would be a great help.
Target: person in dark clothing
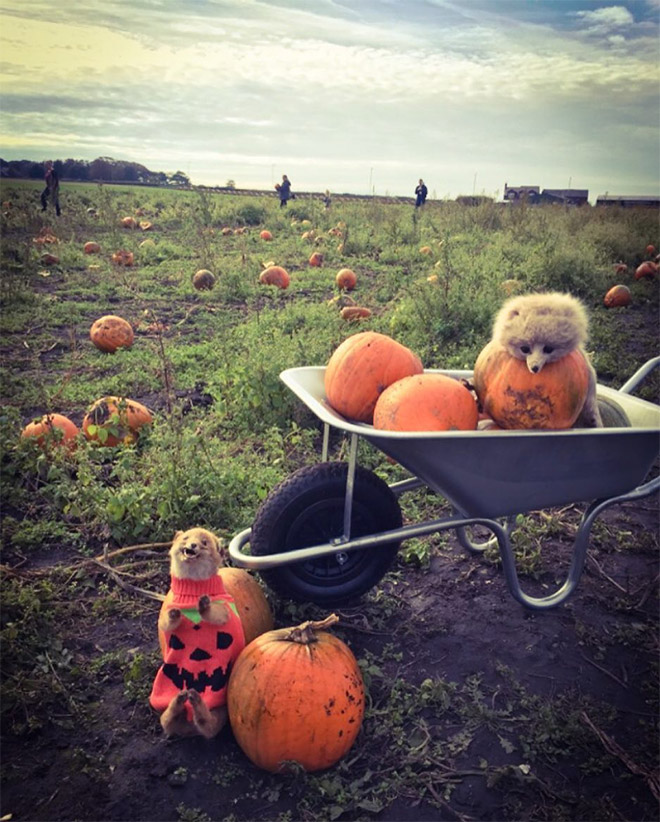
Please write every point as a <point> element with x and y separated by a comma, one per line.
<point>284,190</point>
<point>52,189</point>
<point>421,191</point>
<point>326,199</point>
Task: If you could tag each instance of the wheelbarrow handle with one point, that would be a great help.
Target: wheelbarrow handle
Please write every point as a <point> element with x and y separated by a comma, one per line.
<point>629,386</point>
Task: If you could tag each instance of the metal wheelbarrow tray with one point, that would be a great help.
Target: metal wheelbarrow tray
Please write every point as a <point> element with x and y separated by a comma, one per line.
<point>329,533</point>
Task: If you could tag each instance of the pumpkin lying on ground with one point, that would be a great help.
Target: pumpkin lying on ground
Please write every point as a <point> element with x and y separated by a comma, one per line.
<point>203,280</point>
<point>296,695</point>
<point>128,222</point>
<point>516,398</point>
<point>346,279</point>
<point>646,270</point>
<point>361,368</point>
<point>426,402</point>
<point>316,260</point>
<point>111,421</point>
<point>266,235</point>
<point>110,332</point>
<point>617,295</point>
<point>355,312</point>
<point>91,248</point>
<point>44,430</point>
<point>275,275</point>
<point>123,257</point>
<point>49,259</point>
<point>249,598</point>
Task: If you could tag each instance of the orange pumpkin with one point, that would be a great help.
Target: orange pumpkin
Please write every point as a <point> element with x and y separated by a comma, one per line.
<point>648,269</point>
<point>355,312</point>
<point>123,257</point>
<point>110,332</point>
<point>266,235</point>
<point>145,225</point>
<point>43,430</point>
<point>361,368</point>
<point>617,295</point>
<point>275,275</point>
<point>129,222</point>
<point>114,420</point>
<point>251,604</point>
<point>91,248</point>
<point>296,695</point>
<point>426,402</point>
<point>425,249</point>
<point>203,280</point>
<point>316,259</point>
<point>620,268</point>
<point>346,279</point>
<point>226,231</point>
<point>516,398</point>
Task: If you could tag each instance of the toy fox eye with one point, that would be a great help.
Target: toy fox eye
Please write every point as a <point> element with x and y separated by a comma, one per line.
<point>548,349</point>
<point>525,349</point>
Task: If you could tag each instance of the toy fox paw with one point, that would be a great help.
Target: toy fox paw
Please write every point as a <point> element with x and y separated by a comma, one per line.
<point>204,604</point>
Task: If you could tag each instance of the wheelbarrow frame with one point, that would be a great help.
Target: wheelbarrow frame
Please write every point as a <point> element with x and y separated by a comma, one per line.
<point>500,522</point>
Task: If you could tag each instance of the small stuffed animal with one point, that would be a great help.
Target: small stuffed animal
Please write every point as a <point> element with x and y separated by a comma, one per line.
<point>203,637</point>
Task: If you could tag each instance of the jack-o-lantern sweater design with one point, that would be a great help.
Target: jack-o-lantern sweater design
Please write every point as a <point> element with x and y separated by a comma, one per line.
<point>198,656</point>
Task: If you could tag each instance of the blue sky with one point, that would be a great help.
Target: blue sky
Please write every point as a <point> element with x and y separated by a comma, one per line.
<point>349,95</point>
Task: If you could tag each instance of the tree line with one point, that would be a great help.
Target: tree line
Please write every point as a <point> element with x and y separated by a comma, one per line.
<point>101,170</point>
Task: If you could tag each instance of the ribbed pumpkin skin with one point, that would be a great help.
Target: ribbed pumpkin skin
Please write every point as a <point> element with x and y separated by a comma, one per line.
<point>41,428</point>
<point>291,701</point>
<point>516,398</point>
<point>361,368</point>
<point>426,402</point>
<point>251,604</point>
<point>110,333</point>
<point>131,418</point>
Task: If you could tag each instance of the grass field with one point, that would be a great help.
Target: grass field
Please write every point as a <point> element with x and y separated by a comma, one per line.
<point>460,724</point>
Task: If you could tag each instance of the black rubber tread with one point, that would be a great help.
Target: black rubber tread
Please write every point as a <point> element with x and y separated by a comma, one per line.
<point>308,509</point>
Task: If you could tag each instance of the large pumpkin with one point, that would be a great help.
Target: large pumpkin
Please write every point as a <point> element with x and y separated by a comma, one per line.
<point>346,279</point>
<point>617,295</point>
<point>43,430</point>
<point>110,332</point>
<point>426,402</point>
<point>275,275</point>
<point>316,260</point>
<point>114,420</point>
<point>648,269</point>
<point>361,368</point>
<point>296,695</point>
<point>249,598</point>
<point>516,398</point>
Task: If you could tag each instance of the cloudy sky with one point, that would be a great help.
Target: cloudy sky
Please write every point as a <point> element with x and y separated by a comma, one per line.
<point>352,95</point>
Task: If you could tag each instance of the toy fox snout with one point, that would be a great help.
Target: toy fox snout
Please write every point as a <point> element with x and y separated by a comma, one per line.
<point>535,363</point>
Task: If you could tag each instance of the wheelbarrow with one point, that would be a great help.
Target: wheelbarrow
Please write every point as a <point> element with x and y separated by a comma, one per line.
<point>329,532</point>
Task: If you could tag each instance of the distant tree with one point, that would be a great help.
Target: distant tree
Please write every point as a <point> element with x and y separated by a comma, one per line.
<point>179,179</point>
<point>230,184</point>
<point>36,171</point>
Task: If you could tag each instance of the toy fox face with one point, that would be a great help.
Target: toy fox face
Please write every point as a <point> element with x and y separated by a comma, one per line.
<point>537,354</point>
<point>195,554</point>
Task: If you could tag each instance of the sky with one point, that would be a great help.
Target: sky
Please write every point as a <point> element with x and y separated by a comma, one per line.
<point>359,96</point>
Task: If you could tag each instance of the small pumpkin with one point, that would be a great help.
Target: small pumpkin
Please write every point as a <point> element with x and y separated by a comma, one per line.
<point>266,235</point>
<point>355,312</point>
<point>123,257</point>
<point>316,259</point>
<point>203,280</point>
<point>110,332</point>
<point>145,225</point>
<point>275,275</point>
<point>346,279</point>
<point>129,222</point>
<point>49,259</point>
<point>43,430</point>
<point>516,398</point>
<point>425,249</point>
<point>91,248</point>
<point>361,368</point>
<point>620,268</point>
<point>426,402</point>
<point>111,421</point>
<point>648,269</point>
<point>226,231</point>
<point>251,603</point>
<point>617,295</point>
<point>296,695</point>
<point>650,250</point>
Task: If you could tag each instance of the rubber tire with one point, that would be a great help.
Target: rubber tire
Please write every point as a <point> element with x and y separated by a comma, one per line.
<point>308,509</point>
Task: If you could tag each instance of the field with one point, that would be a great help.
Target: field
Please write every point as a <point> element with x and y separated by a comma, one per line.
<point>477,709</point>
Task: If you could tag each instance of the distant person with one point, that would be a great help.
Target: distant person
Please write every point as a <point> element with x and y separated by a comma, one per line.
<point>285,191</point>
<point>421,191</point>
<point>326,199</point>
<point>52,189</point>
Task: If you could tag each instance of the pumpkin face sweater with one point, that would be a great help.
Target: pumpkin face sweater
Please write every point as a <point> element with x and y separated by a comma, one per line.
<point>198,656</point>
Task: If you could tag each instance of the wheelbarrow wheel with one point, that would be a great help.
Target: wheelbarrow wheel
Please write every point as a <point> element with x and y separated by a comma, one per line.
<point>308,509</point>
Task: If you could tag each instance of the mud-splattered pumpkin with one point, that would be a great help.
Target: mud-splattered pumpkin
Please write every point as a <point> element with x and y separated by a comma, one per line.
<point>251,603</point>
<point>516,398</point>
<point>275,275</point>
<point>203,280</point>
<point>296,695</point>
<point>346,279</point>
<point>361,368</point>
<point>123,257</point>
<point>91,248</point>
<point>111,421</point>
<point>426,402</point>
<point>111,332</point>
<point>316,259</point>
<point>48,428</point>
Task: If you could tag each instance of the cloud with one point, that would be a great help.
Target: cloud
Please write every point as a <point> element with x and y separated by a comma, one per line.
<point>605,19</point>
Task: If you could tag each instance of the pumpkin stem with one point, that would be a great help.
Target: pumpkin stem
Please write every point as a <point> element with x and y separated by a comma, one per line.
<point>305,633</point>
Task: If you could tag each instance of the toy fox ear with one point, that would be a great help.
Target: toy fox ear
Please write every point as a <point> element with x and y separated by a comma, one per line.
<point>176,536</point>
